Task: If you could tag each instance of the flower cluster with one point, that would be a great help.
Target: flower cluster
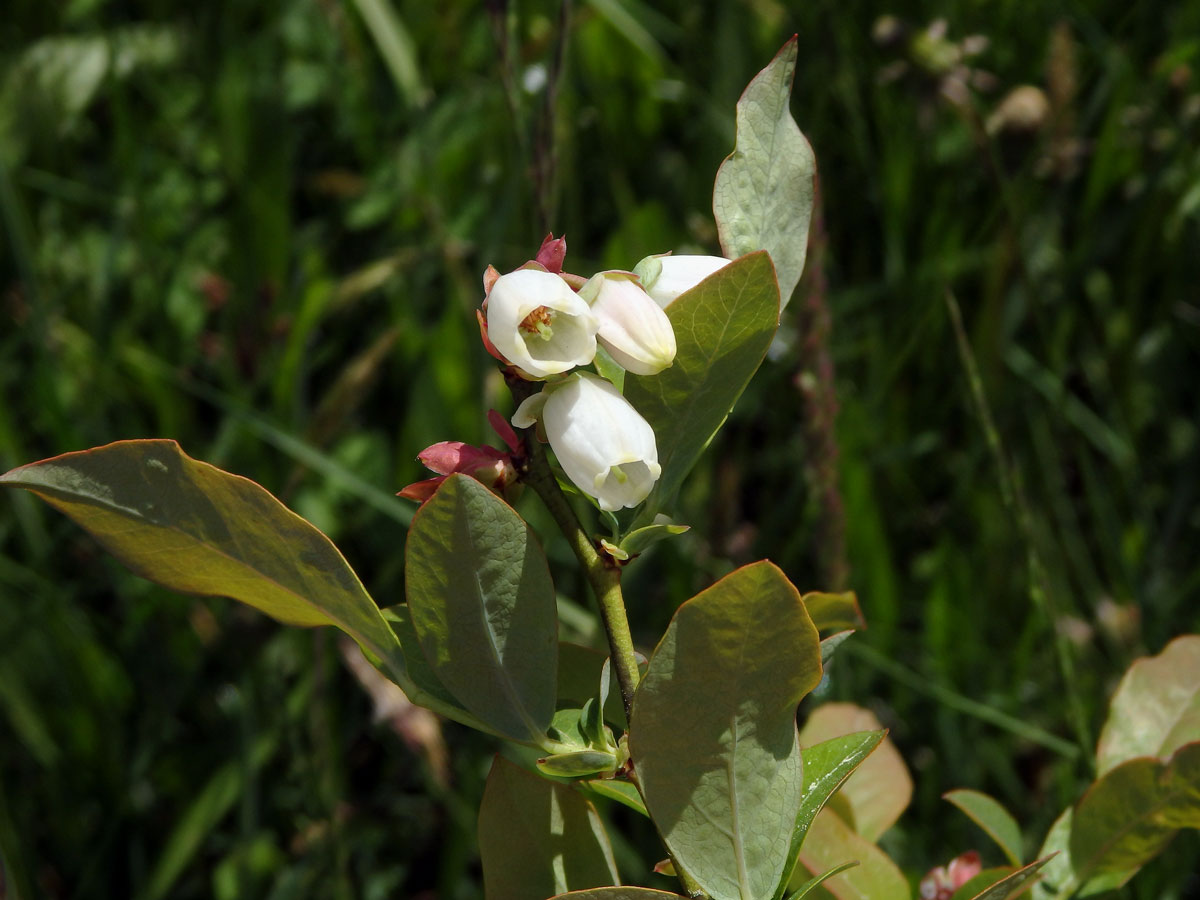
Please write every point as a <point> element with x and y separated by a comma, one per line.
<point>545,324</point>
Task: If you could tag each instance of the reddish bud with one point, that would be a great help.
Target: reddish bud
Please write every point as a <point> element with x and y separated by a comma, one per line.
<point>421,490</point>
<point>942,882</point>
<point>487,465</point>
<point>552,253</point>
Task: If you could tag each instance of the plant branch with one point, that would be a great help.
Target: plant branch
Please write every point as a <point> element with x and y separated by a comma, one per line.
<point>602,572</point>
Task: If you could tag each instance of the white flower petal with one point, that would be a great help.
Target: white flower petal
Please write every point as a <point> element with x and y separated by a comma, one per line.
<point>666,277</point>
<point>539,324</point>
<point>633,328</point>
<point>603,444</point>
<point>530,410</point>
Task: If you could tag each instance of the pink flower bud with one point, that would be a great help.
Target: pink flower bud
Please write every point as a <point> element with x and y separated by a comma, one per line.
<point>487,465</point>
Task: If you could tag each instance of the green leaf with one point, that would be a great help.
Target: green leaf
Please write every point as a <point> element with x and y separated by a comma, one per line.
<point>993,818</point>
<point>834,611</point>
<point>723,328</point>
<point>763,195</point>
<point>538,838</point>
<point>816,881</point>
<point>622,792</point>
<point>830,842</point>
<point>1058,876</point>
<point>827,765</point>
<point>713,733</point>
<point>985,886</point>
<point>830,644</point>
<point>618,893</point>
<point>396,46</point>
<point>609,369</point>
<point>198,530</point>
<point>982,881</point>
<point>1128,815</point>
<point>579,672</point>
<point>415,663</point>
<point>880,789</point>
<point>639,539</point>
<point>482,604</point>
<point>1156,707</point>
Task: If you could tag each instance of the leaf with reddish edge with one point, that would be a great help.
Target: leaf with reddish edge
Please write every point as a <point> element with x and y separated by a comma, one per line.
<point>713,731</point>
<point>196,529</point>
<point>764,191</point>
<point>1058,877</point>
<point>1156,707</point>
<point>1128,815</point>
<point>992,817</point>
<point>830,612</point>
<point>723,327</point>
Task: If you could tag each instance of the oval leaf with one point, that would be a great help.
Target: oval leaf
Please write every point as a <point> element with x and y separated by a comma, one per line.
<point>880,789</point>
<point>713,734</point>
<point>1130,814</point>
<point>1058,876</point>
<point>482,603</point>
<point>763,195</point>
<point>834,611</point>
<point>196,529</point>
<point>538,838</point>
<point>1156,708</point>
<point>831,842</point>
<point>993,818</point>
<point>723,328</point>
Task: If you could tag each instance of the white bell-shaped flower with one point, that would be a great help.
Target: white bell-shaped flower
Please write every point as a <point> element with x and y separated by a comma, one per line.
<point>666,277</point>
<point>633,328</point>
<point>539,324</point>
<point>603,444</point>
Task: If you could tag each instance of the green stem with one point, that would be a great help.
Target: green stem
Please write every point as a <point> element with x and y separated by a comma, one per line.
<point>602,571</point>
<point>1013,494</point>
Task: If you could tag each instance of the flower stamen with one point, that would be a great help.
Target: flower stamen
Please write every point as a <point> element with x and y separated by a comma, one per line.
<point>539,322</point>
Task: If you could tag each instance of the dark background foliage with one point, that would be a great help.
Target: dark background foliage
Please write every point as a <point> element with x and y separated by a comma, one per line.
<point>259,228</point>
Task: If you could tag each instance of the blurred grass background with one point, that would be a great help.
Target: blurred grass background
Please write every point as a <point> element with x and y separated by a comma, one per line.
<point>259,228</point>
